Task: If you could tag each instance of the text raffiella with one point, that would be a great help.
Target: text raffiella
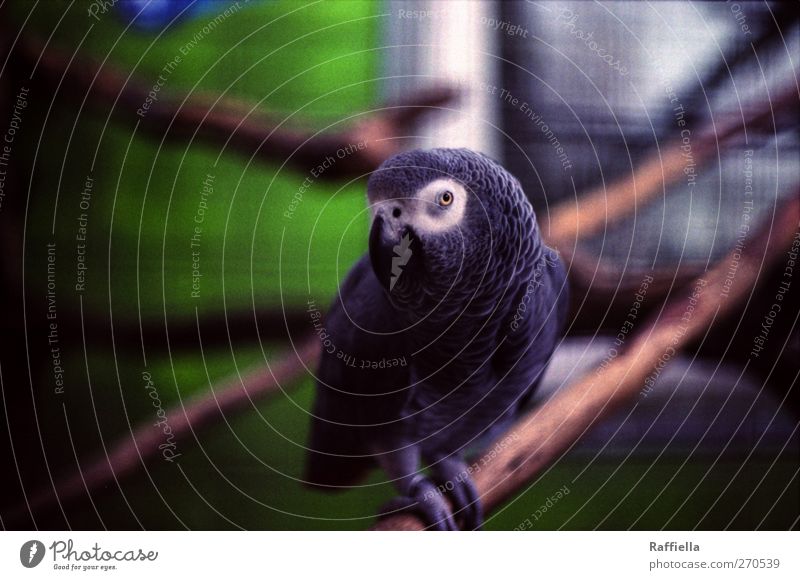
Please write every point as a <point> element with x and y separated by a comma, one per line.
<point>674,547</point>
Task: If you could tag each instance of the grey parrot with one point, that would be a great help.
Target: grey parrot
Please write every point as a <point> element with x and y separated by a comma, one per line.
<point>438,336</point>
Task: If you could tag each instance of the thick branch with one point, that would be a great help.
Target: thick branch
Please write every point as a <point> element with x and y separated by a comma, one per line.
<point>546,433</point>
<point>600,294</point>
<point>132,452</point>
<point>573,221</point>
<point>228,122</point>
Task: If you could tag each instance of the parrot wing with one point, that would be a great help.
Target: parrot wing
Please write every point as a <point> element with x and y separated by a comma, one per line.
<point>362,383</point>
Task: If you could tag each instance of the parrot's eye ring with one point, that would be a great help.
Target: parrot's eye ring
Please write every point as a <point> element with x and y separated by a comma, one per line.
<point>444,199</point>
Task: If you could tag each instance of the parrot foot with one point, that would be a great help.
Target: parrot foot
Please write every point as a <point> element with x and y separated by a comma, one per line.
<point>451,474</point>
<point>425,500</point>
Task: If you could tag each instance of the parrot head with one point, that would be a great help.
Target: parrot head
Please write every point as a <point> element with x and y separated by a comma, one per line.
<point>440,218</point>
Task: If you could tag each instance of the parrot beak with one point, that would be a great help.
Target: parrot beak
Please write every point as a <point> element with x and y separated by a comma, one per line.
<point>392,252</point>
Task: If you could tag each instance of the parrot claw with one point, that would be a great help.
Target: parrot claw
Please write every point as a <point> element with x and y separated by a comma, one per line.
<point>426,501</point>
<point>452,475</point>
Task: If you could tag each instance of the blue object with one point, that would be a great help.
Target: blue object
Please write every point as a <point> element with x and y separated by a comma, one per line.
<point>154,15</point>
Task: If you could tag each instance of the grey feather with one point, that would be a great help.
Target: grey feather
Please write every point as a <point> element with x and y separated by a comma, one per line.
<point>474,311</point>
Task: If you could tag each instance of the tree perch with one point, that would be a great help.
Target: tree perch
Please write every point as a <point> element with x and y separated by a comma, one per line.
<point>231,122</point>
<point>134,451</point>
<point>605,205</point>
<point>546,433</point>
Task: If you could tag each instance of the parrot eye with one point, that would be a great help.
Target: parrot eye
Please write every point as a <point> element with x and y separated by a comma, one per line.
<point>444,199</point>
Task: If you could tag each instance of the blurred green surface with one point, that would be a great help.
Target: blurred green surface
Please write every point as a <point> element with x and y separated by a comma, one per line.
<point>145,196</point>
<point>308,65</point>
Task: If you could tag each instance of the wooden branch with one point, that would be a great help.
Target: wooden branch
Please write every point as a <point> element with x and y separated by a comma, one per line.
<point>231,123</point>
<point>546,433</point>
<point>572,221</point>
<point>133,452</point>
<point>599,294</point>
